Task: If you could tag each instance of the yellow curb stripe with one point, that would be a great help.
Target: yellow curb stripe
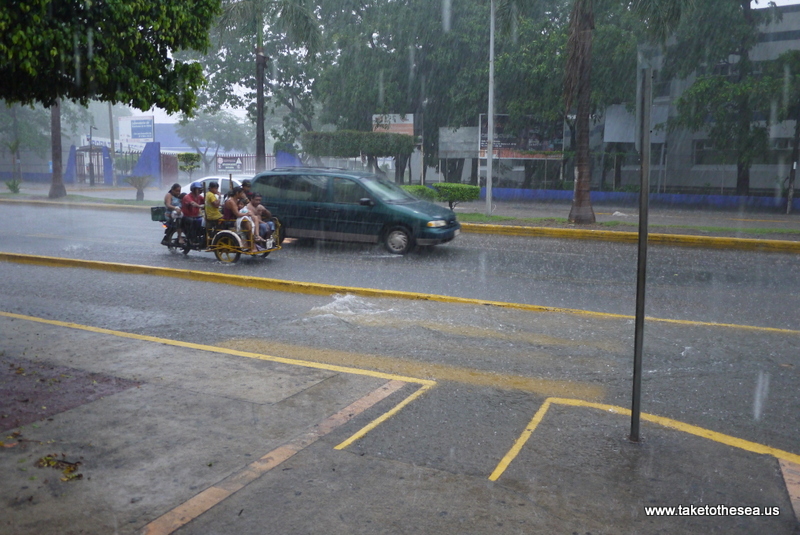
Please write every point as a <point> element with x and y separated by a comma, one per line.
<point>328,289</point>
<point>742,244</point>
<point>721,438</point>
<point>520,442</point>
<point>205,500</point>
<point>375,423</point>
<point>222,350</point>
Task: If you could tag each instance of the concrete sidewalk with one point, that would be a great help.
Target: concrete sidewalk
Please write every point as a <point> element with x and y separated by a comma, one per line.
<point>203,440</point>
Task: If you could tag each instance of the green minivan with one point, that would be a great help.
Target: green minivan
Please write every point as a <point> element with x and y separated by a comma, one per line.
<point>341,205</point>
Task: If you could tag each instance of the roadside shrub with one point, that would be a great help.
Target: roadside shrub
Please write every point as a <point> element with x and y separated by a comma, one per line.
<point>139,182</point>
<point>453,194</point>
<point>422,192</point>
<point>13,185</point>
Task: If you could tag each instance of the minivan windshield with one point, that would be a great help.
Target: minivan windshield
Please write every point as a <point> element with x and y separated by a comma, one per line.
<point>387,191</point>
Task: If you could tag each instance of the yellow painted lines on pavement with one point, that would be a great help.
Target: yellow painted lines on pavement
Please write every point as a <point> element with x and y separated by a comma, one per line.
<point>215,494</point>
<point>328,289</point>
<point>378,421</point>
<point>222,350</point>
<point>430,370</point>
<point>470,331</point>
<point>741,244</point>
<point>660,420</point>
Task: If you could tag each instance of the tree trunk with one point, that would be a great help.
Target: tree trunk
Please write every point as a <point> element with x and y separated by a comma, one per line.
<point>581,212</point>
<point>400,162</point>
<point>57,189</point>
<point>473,177</point>
<point>793,164</point>
<point>261,149</point>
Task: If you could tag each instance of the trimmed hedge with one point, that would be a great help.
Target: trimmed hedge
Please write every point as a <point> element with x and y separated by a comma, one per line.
<point>352,144</point>
<point>422,192</point>
<point>453,194</point>
<point>448,192</point>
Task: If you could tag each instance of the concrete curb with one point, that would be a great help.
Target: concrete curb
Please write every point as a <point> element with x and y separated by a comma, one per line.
<point>312,288</point>
<point>682,240</point>
<point>677,240</point>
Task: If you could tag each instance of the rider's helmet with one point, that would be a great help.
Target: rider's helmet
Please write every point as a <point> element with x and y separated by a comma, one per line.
<point>196,185</point>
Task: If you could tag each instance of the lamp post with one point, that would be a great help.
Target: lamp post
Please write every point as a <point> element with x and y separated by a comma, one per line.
<point>490,115</point>
<point>91,163</point>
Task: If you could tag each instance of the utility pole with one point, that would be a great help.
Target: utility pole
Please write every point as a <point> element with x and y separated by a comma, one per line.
<point>490,118</point>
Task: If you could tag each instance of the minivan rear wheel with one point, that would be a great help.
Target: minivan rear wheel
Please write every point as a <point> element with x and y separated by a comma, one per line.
<point>398,240</point>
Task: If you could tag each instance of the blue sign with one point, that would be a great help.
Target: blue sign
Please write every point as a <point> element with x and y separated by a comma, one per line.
<point>142,128</point>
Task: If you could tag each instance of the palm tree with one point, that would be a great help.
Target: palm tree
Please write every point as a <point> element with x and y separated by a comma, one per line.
<point>295,17</point>
<point>661,17</point>
<point>578,86</point>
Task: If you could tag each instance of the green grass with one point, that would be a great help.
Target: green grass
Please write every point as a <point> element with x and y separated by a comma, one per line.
<point>84,198</point>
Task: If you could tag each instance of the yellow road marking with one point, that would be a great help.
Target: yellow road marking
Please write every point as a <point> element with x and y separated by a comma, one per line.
<point>223,350</point>
<point>212,496</point>
<point>665,422</point>
<point>327,289</point>
<point>430,370</point>
<point>378,421</point>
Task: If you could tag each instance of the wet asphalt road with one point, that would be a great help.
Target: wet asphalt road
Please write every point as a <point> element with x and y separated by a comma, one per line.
<point>688,284</point>
<point>495,366</point>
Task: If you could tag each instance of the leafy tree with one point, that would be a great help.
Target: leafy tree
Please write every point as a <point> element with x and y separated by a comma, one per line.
<point>111,51</point>
<point>241,31</point>
<point>210,132</point>
<point>23,127</point>
<point>727,98</point>
<point>188,162</point>
<point>786,83</point>
<point>118,52</point>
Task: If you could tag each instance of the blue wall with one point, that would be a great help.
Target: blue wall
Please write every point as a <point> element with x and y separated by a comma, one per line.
<point>677,200</point>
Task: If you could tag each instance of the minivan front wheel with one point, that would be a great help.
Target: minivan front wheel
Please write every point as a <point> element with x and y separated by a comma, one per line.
<point>398,240</point>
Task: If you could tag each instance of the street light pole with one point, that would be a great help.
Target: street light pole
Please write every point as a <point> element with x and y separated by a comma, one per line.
<point>490,118</point>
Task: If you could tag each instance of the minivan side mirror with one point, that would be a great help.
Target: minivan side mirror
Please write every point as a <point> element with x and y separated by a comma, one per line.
<point>366,201</point>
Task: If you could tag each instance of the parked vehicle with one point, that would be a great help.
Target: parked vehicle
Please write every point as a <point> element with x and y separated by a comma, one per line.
<point>342,205</point>
<point>223,181</point>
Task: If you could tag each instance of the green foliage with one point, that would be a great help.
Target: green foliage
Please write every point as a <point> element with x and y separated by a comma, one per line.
<point>351,144</point>
<point>209,132</point>
<point>422,192</point>
<point>111,51</point>
<point>188,162</point>
<point>13,185</point>
<point>283,146</point>
<point>453,194</point>
<point>727,98</point>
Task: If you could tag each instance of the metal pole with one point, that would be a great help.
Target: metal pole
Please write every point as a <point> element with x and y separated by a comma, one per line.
<point>91,164</point>
<point>111,146</point>
<point>641,270</point>
<point>490,117</point>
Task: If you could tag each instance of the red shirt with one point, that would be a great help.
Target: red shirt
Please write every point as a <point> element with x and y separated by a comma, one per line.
<point>186,205</point>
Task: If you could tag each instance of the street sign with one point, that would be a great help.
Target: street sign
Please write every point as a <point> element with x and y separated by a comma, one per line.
<point>229,163</point>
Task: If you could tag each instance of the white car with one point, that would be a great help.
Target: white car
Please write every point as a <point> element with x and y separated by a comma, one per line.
<point>223,181</point>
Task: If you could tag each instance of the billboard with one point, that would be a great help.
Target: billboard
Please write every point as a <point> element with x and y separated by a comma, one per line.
<point>135,131</point>
<point>521,138</point>
<point>394,123</point>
